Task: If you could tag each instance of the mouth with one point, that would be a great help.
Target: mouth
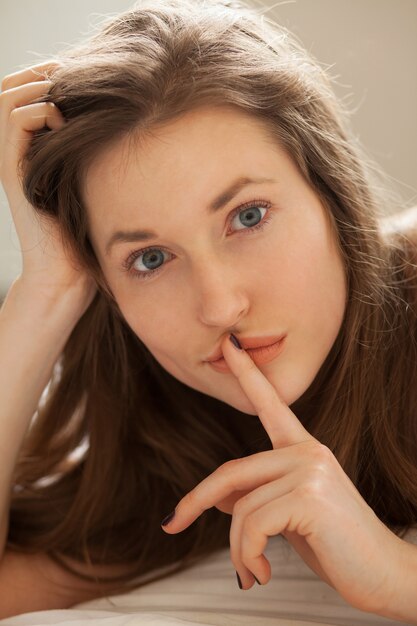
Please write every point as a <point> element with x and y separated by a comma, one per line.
<point>260,355</point>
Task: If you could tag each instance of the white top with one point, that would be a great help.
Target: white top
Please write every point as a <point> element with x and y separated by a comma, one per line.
<point>208,594</point>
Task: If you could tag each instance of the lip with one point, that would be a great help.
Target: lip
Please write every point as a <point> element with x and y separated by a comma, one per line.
<point>248,343</point>
<point>260,355</point>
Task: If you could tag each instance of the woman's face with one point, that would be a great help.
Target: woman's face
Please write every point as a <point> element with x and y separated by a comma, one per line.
<point>216,272</point>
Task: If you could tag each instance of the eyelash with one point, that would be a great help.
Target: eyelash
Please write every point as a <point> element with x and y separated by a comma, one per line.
<point>248,205</point>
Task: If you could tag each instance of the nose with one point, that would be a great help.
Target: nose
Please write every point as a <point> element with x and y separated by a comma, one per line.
<point>220,293</point>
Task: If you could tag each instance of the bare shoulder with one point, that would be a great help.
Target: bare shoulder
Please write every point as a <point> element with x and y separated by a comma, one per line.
<point>34,582</point>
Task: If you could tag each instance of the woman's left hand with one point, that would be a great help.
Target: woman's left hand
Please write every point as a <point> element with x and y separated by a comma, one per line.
<point>299,490</point>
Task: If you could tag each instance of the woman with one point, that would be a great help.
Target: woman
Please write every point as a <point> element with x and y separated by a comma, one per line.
<point>131,165</point>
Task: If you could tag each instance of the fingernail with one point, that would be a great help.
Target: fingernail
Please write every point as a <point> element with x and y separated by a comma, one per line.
<point>235,342</point>
<point>239,582</point>
<point>167,519</point>
<point>256,579</point>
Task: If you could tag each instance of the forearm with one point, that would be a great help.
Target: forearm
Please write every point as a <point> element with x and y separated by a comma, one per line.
<point>33,333</point>
<point>401,603</point>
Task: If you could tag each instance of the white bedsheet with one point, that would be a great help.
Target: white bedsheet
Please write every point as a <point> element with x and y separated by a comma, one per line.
<point>208,594</point>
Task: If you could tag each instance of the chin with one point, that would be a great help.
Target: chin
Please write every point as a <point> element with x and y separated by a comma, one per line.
<point>288,397</point>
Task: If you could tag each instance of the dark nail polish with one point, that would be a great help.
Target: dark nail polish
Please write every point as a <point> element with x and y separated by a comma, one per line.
<point>235,342</point>
<point>239,582</point>
<point>256,579</point>
<point>167,519</point>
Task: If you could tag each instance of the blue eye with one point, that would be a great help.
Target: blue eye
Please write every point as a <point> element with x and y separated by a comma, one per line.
<point>154,257</point>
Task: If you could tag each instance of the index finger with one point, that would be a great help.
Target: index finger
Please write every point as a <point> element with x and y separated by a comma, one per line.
<point>282,425</point>
<point>29,75</point>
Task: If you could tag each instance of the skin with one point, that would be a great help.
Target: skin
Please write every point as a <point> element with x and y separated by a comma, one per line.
<point>288,277</point>
<point>298,489</point>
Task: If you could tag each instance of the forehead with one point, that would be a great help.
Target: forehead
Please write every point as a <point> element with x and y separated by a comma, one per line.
<point>206,140</point>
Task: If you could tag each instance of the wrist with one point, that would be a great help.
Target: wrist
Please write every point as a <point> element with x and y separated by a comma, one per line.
<point>63,306</point>
<point>399,598</point>
<point>76,297</point>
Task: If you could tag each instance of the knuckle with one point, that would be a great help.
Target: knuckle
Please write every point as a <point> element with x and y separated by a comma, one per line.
<point>5,81</point>
<point>51,63</point>
<point>311,489</point>
<point>250,526</point>
<point>240,505</point>
<point>230,474</point>
<point>235,556</point>
<point>319,471</point>
<point>229,467</point>
<point>321,453</point>
<point>13,117</point>
<point>231,463</point>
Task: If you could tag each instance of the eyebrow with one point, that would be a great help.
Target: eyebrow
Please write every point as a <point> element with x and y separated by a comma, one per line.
<point>129,236</point>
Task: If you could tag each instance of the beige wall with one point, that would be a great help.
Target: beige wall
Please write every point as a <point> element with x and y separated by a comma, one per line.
<point>371,46</point>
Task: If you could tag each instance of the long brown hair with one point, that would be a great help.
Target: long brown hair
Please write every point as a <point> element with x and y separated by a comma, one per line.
<point>149,438</point>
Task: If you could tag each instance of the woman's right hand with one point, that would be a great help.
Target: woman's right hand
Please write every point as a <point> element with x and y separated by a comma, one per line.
<point>47,269</point>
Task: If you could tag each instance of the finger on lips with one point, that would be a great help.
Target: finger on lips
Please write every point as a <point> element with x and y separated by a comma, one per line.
<point>282,425</point>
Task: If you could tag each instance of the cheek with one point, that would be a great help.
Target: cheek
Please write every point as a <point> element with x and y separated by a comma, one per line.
<point>310,277</point>
<point>155,330</point>
<point>149,321</point>
<point>165,337</point>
